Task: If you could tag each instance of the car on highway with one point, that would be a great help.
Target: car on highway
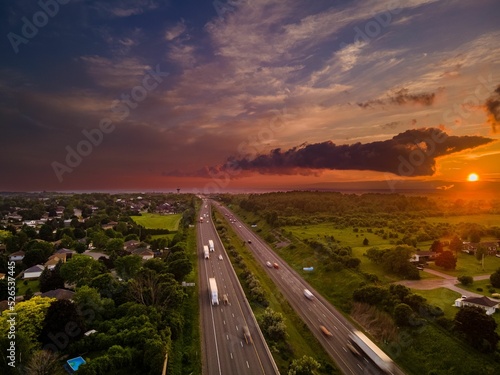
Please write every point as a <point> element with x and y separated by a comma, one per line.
<point>276,265</point>
<point>249,241</point>
<point>269,264</point>
<point>325,331</point>
<point>308,294</point>
<point>220,257</point>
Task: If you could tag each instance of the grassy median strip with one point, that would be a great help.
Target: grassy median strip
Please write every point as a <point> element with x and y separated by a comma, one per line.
<point>300,340</point>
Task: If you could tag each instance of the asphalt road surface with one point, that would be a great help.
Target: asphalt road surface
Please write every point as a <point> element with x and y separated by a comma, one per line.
<point>225,350</point>
<point>315,312</point>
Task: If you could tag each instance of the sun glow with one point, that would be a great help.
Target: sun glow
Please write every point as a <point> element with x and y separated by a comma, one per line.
<point>472,177</point>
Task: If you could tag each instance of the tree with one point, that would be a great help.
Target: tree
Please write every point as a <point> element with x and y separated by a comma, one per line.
<point>45,233</point>
<point>447,260</point>
<point>150,289</point>
<point>81,269</point>
<point>475,236</point>
<point>402,314</point>
<point>44,362</point>
<point>114,245</point>
<point>397,261</point>
<point>480,252</point>
<point>456,244</point>
<point>62,325</point>
<point>29,319</point>
<point>495,278</point>
<point>437,246</point>
<point>51,279</point>
<point>180,268</point>
<point>478,328</point>
<point>365,242</point>
<point>128,266</point>
<point>465,280</point>
<point>273,325</point>
<point>304,366</point>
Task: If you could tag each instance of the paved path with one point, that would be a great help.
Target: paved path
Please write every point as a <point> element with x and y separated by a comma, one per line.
<point>446,281</point>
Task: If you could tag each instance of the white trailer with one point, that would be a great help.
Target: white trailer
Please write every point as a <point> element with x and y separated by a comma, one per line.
<point>376,354</point>
<point>214,295</point>
<point>205,251</point>
<point>211,245</point>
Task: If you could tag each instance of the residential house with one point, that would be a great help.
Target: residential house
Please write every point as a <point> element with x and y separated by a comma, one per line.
<point>59,294</point>
<point>130,245</point>
<point>144,253</point>
<point>33,272</point>
<point>109,225</point>
<point>482,302</point>
<point>17,256</point>
<point>423,256</point>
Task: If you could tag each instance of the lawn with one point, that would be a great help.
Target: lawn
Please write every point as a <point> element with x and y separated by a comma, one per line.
<point>157,221</point>
<point>443,298</point>
<point>482,284</point>
<point>469,265</point>
<point>34,285</point>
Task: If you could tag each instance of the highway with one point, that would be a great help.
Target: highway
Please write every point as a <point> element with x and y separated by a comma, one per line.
<point>225,350</point>
<point>315,312</point>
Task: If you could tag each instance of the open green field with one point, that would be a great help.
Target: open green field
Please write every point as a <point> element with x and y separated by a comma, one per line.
<point>484,219</point>
<point>157,221</point>
<point>483,284</point>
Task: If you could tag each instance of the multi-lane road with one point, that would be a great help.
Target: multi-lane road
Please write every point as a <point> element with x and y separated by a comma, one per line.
<point>225,350</point>
<point>315,312</point>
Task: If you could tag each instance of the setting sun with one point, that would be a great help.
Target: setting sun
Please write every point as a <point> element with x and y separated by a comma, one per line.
<point>473,177</point>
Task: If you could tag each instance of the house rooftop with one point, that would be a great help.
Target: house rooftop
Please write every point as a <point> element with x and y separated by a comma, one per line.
<point>483,301</point>
<point>59,294</point>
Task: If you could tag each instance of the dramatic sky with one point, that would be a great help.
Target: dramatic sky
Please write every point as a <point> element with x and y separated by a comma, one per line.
<point>197,94</point>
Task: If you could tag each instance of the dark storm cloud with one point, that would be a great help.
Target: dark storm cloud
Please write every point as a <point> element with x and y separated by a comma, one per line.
<point>412,153</point>
<point>493,108</point>
<point>401,97</point>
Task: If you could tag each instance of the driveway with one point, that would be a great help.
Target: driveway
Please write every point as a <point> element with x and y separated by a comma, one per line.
<point>446,281</point>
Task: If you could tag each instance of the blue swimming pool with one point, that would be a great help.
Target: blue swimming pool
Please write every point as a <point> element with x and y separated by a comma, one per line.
<point>74,363</point>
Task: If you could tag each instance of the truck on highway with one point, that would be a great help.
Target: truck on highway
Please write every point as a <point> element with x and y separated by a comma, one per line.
<point>214,295</point>
<point>211,245</point>
<point>367,346</point>
<point>201,219</point>
<point>205,251</point>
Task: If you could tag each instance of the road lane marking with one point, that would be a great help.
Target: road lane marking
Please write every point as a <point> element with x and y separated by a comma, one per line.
<point>231,354</point>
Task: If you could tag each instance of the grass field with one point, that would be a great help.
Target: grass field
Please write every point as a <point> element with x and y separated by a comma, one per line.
<point>485,219</point>
<point>442,298</point>
<point>469,265</point>
<point>157,221</point>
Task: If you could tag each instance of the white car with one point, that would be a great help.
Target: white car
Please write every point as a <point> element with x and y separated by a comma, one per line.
<point>220,257</point>
<point>269,264</point>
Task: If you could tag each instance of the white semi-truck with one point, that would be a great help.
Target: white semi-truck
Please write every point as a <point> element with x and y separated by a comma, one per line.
<point>205,252</point>
<point>211,245</point>
<point>214,295</point>
<point>368,347</point>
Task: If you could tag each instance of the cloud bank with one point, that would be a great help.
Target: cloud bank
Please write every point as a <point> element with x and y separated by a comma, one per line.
<point>411,153</point>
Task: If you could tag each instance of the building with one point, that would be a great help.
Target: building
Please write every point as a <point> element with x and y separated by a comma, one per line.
<point>18,256</point>
<point>423,256</point>
<point>33,272</point>
<point>488,305</point>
